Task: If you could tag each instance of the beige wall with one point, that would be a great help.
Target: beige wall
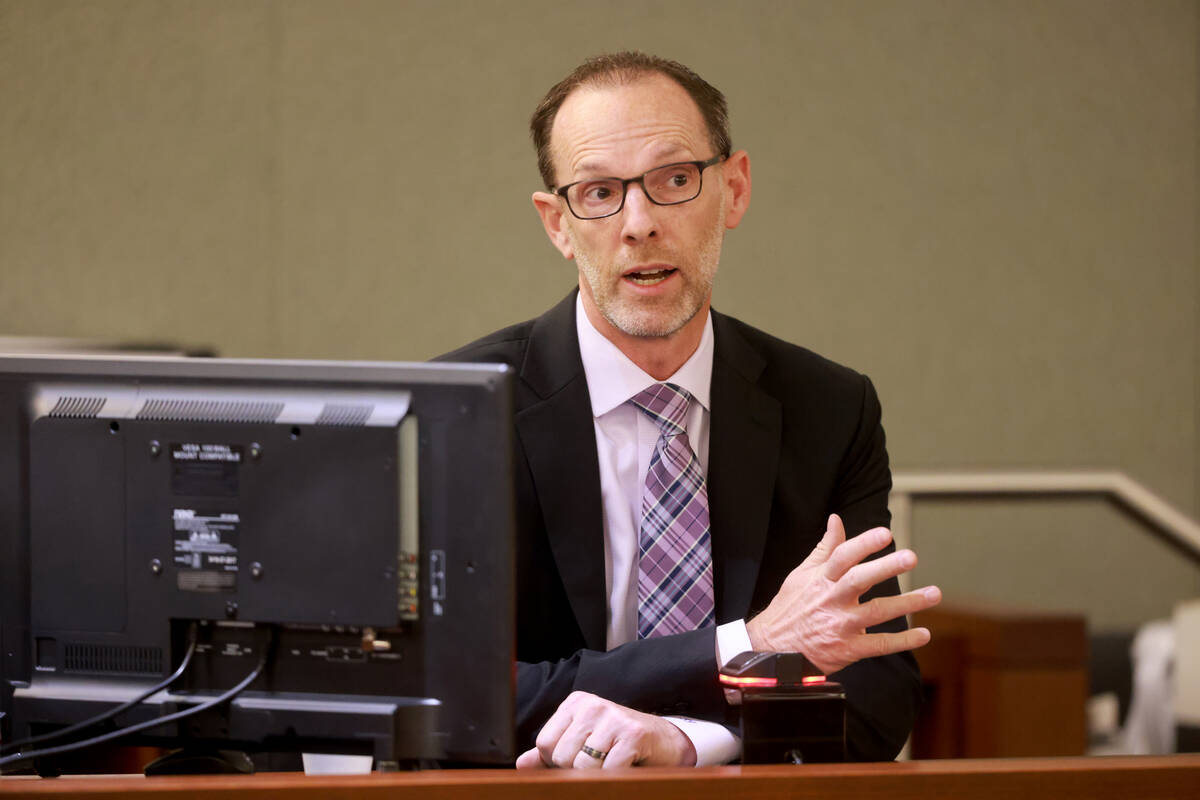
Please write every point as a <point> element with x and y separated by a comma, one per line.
<point>989,207</point>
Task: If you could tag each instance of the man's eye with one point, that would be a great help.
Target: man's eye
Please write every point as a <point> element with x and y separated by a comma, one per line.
<point>597,193</point>
<point>679,180</point>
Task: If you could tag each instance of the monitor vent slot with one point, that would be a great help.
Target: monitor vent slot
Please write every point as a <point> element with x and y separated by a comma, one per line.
<point>77,407</point>
<point>113,659</point>
<point>210,410</point>
<point>345,414</point>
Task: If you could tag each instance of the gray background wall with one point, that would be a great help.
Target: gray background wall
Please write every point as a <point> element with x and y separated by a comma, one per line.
<point>989,207</point>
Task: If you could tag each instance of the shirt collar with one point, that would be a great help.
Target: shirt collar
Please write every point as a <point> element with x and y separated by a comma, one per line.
<point>612,378</point>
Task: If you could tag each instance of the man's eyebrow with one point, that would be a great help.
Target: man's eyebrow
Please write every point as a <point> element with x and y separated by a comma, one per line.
<point>595,169</point>
<point>671,153</point>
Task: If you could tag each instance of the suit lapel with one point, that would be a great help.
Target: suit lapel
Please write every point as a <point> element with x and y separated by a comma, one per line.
<point>558,436</point>
<point>557,433</point>
<point>743,458</point>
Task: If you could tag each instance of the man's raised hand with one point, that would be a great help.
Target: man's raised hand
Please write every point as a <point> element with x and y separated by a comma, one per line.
<point>817,610</point>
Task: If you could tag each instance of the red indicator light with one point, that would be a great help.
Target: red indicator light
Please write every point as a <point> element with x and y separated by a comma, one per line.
<point>731,680</point>
<point>810,680</point>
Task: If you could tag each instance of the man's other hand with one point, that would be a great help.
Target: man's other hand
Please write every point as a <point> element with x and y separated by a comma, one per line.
<point>627,737</point>
<point>816,612</point>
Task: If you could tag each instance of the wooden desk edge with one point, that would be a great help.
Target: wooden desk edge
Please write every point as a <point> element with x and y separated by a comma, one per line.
<point>1117,776</point>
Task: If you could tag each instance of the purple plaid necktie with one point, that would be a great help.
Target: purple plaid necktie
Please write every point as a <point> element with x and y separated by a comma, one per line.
<point>675,586</point>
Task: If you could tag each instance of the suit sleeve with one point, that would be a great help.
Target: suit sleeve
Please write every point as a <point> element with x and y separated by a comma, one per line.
<point>667,675</point>
<point>882,694</point>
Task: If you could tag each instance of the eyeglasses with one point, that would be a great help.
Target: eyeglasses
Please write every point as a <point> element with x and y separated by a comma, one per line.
<point>668,185</point>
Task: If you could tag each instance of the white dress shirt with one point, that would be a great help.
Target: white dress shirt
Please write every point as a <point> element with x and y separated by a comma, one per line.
<point>625,441</point>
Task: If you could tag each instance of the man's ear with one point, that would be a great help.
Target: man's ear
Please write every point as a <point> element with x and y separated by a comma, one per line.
<point>550,210</point>
<point>735,174</point>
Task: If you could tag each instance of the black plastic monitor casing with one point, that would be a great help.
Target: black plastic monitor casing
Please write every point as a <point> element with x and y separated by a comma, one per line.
<point>360,512</point>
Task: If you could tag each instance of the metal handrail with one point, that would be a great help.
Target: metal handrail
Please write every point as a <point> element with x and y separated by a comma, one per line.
<point>1149,508</point>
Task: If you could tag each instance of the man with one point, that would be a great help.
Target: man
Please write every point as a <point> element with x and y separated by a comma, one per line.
<point>768,452</point>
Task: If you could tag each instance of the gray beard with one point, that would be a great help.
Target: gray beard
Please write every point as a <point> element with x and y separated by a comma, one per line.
<point>631,318</point>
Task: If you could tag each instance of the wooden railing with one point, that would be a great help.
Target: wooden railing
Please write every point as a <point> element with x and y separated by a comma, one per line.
<point>1153,511</point>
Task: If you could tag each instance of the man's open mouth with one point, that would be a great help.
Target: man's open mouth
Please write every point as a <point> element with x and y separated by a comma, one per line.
<point>649,277</point>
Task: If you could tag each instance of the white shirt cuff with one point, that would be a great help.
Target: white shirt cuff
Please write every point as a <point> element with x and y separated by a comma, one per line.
<point>715,744</point>
<point>732,640</point>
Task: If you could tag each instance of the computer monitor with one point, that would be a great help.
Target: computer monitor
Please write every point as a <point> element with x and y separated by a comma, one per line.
<point>351,523</point>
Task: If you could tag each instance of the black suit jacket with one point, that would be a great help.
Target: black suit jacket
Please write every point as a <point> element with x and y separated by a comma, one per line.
<point>793,438</point>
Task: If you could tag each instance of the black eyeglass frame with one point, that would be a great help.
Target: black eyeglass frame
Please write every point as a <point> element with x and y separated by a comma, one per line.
<point>641,181</point>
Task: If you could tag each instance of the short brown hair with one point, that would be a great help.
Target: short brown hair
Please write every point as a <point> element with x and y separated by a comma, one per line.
<point>616,69</point>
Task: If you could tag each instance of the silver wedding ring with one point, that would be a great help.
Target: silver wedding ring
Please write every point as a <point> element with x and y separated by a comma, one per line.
<point>599,755</point>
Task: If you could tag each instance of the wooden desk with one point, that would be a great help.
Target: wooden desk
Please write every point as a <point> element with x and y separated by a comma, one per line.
<point>1118,778</point>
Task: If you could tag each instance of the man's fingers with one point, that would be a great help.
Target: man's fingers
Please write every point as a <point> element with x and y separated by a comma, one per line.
<point>882,609</point>
<point>861,577</point>
<point>552,731</point>
<point>584,760</point>
<point>854,550</point>
<point>563,724</point>
<point>871,645</point>
<point>835,534</point>
<point>622,754</point>
<point>570,745</point>
<point>531,759</point>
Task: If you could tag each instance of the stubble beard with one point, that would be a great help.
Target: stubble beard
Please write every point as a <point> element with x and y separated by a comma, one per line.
<point>652,318</point>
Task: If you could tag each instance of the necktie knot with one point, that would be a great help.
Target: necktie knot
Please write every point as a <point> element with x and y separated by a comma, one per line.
<point>666,404</point>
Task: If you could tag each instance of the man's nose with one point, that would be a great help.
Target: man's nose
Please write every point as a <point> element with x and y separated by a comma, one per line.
<point>639,217</point>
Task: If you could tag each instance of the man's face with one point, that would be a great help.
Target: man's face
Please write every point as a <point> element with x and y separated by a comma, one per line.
<point>647,270</point>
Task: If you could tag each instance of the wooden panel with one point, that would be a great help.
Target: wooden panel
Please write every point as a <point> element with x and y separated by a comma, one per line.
<point>1002,683</point>
<point>940,728</point>
<point>1012,636</point>
<point>1024,712</point>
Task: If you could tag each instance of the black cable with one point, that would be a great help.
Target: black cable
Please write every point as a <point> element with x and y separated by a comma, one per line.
<point>112,712</point>
<point>150,723</point>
